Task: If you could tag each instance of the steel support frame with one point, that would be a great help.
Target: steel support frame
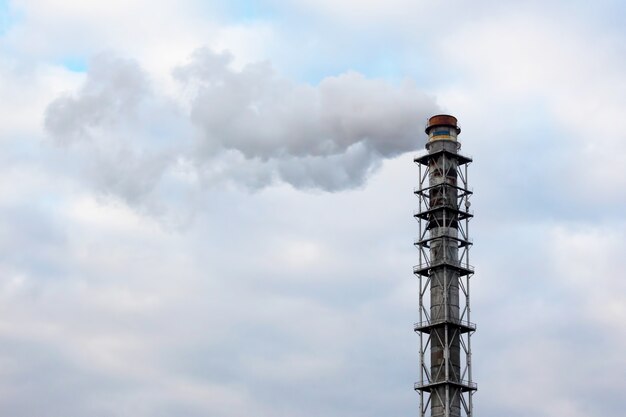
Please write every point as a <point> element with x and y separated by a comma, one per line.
<point>460,329</point>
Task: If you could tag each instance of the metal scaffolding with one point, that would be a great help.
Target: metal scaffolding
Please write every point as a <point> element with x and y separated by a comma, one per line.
<point>445,386</point>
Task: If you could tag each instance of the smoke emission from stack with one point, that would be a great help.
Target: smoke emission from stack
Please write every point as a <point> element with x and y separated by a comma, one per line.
<point>248,126</point>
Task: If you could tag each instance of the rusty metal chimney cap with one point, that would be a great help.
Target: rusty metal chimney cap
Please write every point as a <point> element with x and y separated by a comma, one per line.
<point>442,120</point>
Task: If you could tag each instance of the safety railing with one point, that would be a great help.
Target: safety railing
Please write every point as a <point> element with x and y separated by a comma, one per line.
<point>458,322</point>
<point>445,262</point>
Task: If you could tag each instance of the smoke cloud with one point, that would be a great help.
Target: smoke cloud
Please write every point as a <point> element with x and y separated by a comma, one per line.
<point>248,126</point>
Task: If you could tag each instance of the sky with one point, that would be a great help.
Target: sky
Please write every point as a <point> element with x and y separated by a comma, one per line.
<point>206,207</point>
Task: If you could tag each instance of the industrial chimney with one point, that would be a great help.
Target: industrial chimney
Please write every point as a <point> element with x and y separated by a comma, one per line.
<point>445,385</point>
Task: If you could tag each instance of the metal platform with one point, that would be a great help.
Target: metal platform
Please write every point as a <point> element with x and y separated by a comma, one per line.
<point>426,241</point>
<point>424,269</point>
<point>424,159</point>
<point>427,326</point>
<point>428,386</point>
<point>426,191</point>
<point>462,214</point>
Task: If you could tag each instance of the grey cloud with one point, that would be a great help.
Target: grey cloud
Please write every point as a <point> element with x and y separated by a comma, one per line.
<point>46,370</point>
<point>111,95</point>
<point>247,126</point>
<point>335,171</point>
<point>124,135</point>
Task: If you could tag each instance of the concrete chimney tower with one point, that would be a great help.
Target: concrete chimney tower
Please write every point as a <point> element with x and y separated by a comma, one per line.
<point>445,385</point>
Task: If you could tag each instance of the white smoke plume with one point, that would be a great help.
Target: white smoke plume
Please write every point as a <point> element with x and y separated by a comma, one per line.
<point>248,126</point>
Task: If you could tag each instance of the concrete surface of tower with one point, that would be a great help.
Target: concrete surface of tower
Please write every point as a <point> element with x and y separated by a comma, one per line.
<point>445,385</point>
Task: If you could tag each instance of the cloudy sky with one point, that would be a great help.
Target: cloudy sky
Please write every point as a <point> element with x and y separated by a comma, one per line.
<point>206,206</point>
